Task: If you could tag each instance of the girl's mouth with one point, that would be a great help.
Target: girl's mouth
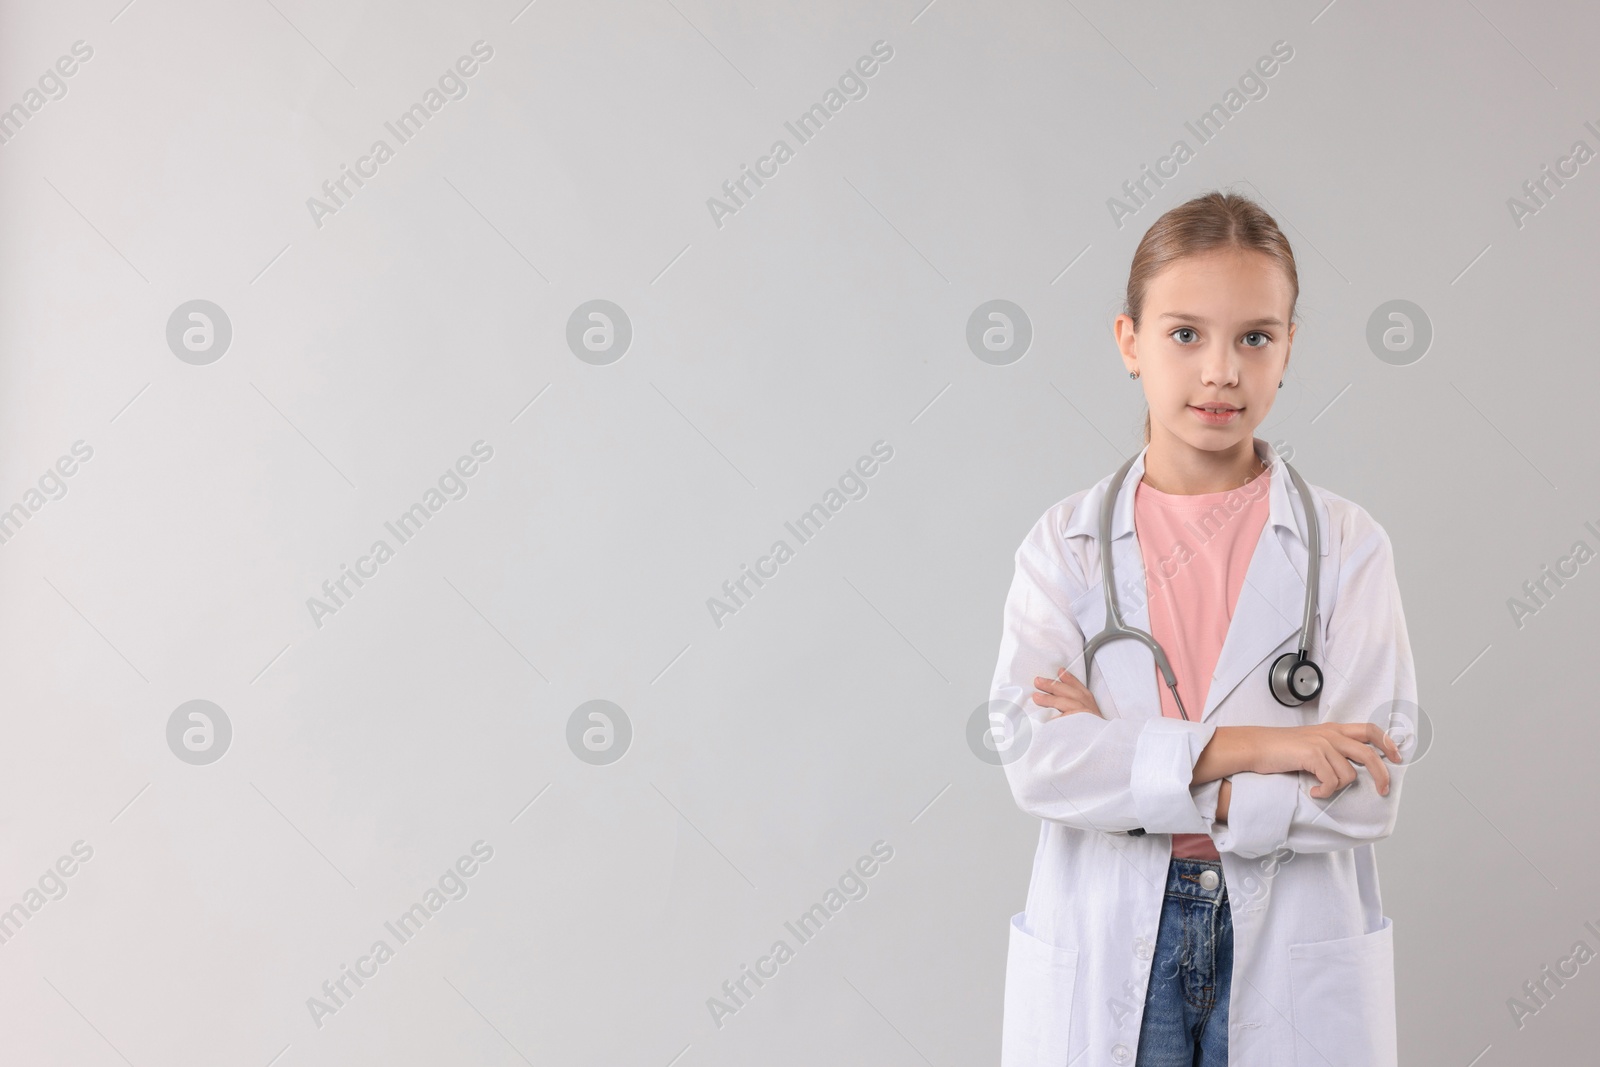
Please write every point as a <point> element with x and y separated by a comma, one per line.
<point>1216,417</point>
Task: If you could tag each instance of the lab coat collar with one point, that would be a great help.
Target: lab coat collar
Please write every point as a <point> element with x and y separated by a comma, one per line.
<point>1283,507</point>
<point>1268,612</point>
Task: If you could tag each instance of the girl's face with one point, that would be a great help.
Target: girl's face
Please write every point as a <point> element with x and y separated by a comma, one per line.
<point>1215,331</point>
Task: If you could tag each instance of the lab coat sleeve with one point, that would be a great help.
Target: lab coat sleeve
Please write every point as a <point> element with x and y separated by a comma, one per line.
<point>1081,769</point>
<point>1368,676</point>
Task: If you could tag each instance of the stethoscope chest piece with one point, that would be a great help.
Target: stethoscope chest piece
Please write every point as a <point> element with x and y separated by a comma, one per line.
<point>1295,679</point>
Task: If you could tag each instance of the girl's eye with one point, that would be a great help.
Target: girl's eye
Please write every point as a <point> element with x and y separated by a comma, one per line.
<point>1176,334</point>
<point>1265,340</point>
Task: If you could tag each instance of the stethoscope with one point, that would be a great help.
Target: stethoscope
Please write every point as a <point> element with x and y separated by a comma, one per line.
<point>1294,679</point>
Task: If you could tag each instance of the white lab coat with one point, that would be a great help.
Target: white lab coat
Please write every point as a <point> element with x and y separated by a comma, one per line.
<point>1313,972</point>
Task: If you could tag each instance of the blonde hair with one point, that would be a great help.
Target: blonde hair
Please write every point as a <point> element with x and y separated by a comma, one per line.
<point>1214,220</point>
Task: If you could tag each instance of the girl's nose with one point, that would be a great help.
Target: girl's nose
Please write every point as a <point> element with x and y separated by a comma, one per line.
<point>1218,369</point>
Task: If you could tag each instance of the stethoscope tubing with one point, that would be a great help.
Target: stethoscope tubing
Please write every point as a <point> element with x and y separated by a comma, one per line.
<point>1115,627</point>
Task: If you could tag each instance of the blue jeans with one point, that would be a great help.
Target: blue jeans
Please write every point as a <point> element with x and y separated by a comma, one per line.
<point>1186,1004</point>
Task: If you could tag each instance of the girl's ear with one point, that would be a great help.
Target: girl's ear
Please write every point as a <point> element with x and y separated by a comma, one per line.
<point>1127,341</point>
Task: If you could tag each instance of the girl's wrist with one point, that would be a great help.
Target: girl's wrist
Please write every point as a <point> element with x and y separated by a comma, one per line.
<point>1232,749</point>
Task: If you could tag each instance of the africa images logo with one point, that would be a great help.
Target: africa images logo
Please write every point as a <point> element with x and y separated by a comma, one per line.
<point>852,486</point>
<point>452,885</point>
<point>852,85</point>
<point>337,192</point>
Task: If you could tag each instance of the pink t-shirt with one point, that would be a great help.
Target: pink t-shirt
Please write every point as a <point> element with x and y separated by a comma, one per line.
<point>1196,551</point>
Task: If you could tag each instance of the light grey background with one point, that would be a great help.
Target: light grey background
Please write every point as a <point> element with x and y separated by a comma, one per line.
<point>768,355</point>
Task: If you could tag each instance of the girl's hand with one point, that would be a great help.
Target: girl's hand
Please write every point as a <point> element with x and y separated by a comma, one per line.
<point>1064,693</point>
<point>1328,750</point>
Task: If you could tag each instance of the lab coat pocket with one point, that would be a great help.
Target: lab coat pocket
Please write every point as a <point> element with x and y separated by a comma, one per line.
<point>1040,979</point>
<point>1341,996</point>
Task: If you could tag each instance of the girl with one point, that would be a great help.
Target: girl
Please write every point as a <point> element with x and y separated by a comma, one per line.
<point>1205,889</point>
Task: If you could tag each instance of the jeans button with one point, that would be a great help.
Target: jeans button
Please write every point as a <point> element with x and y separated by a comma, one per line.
<point>1209,879</point>
<point>1121,1054</point>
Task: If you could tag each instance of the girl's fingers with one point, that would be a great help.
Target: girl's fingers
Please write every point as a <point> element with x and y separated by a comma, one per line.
<point>1062,702</point>
<point>1063,682</point>
<point>1391,749</point>
<point>1343,772</point>
<point>1064,693</point>
<point>1054,685</point>
<point>1370,733</point>
<point>1327,777</point>
<point>1364,754</point>
<point>1376,767</point>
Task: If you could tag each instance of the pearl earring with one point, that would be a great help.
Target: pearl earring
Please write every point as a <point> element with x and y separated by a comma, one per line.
<point>1135,374</point>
